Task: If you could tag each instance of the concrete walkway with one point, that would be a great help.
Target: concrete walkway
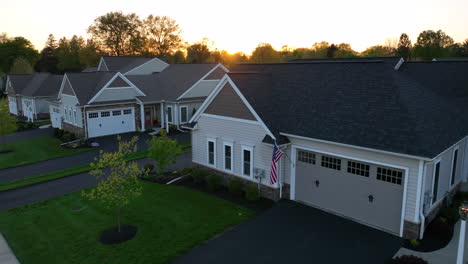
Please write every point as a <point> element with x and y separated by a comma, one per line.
<point>446,255</point>
<point>6,255</point>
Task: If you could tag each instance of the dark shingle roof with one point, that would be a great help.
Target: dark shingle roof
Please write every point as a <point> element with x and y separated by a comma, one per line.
<point>87,84</point>
<point>36,84</point>
<point>366,104</point>
<point>169,84</point>
<point>19,81</point>
<point>124,64</point>
<point>90,69</point>
<point>451,59</point>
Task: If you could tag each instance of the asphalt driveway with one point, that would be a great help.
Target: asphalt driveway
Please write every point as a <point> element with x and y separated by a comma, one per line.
<point>291,232</point>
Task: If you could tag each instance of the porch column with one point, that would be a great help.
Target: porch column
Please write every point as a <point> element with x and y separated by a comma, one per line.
<point>142,114</point>
<point>161,110</point>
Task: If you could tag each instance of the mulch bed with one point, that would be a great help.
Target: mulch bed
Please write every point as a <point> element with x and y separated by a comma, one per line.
<point>112,235</point>
<point>436,236</point>
<point>165,178</point>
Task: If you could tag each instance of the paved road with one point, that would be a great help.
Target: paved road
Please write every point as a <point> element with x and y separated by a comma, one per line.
<point>291,232</point>
<point>107,143</point>
<point>47,190</point>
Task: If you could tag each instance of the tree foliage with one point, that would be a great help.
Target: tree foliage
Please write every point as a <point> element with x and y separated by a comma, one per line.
<point>118,179</point>
<point>404,47</point>
<point>162,35</point>
<point>7,121</point>
<point>49,60</point>
<point>13,48</point>
<point>21,66</point>
<point>118,34</point>
<point>432,44</point>
<point>264,52</point>
<point>164,151</point>
<point>199,52</point>
<point>378,51</point>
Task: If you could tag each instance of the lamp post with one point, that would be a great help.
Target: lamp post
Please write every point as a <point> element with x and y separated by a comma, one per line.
<point>463,210</point>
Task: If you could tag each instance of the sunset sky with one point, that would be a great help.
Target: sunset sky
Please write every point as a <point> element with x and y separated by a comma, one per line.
<point>240,25</point>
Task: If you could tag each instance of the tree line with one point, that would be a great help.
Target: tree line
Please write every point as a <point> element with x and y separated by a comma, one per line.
<point>120,34</point>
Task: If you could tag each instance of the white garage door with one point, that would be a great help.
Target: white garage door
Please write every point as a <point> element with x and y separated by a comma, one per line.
<point>56,117</point>
<point>365,192</point>
<point>12,105</point>
<point>109,122</point>
<point>28,109</point>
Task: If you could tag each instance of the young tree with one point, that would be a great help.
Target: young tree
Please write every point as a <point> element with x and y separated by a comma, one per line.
<point>118,33</point>
<point>264,52</point>
<point>7,122</point>
<point>404,47</point>
<point>118,179</point>
<point>21,66</point>
<point>164,151</point>
<point>162,35</point>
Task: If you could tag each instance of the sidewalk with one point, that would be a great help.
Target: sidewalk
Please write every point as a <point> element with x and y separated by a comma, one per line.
<point>446,255</point>
<point>6,255</point>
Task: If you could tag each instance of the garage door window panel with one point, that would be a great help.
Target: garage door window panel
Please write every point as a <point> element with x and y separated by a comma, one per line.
<point>331,162</point>
<point>389,175</point>
<point>116,113</point>
<point>127,111</point>
<point>306,157</point>
<point>93,115</point>
<point>105,114</point>
<point>358,168</point>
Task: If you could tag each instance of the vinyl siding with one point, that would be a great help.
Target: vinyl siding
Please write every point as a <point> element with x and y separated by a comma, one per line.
<point>411,164</point>
<point>228,103</point>
<point>111,94</point>
<point>42,105</point>
<point>70,102</point>
<point>239,134</point>
<point>148,68</point>
<point>202,89</point>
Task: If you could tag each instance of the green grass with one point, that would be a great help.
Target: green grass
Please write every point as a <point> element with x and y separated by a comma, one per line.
<point>170,219</point>
<point>15,184</point>
<point>42,123</point>
<point>35,150</point>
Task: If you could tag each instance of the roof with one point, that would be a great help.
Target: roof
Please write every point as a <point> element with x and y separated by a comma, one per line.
<point>124,64</point>
<point>90,69</point>
<point>87,84</point>
<point>169,84</point>
<point>36,84</point>
<point>451,59</point>
<point>365,104</point>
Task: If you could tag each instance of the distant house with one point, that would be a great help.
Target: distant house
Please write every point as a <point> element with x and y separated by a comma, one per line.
<point>112,101</point>
<point>377,140</point>
<point>28,94</point>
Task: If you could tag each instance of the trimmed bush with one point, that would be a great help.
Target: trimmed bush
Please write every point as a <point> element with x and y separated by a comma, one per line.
<point>186,171</point>
<point>252,193</point>
<point>235,187</point>
<point>408,259</point>
<point>199,176</point>
<point>68,136</point>
<point>450,213</point>
<point>148,167</point>
<point>213,182</point>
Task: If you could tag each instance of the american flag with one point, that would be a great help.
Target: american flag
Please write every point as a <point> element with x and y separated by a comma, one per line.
<point>274,161</point>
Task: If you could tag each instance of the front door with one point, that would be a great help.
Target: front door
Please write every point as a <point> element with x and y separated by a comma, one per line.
<point>148,117</point>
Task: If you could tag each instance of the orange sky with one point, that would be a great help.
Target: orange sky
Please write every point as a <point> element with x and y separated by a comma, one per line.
<point>240,25</point>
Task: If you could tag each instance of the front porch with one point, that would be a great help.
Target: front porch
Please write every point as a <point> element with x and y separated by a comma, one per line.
<point>151,116</point>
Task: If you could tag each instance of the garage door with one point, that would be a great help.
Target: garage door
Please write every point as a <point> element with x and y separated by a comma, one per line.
<point>56,117</point>
<point>365,192</point>
<point>109,122</point>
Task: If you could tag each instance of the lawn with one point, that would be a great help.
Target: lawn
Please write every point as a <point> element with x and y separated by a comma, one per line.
<point>170,219</point>
<point>35,150</point>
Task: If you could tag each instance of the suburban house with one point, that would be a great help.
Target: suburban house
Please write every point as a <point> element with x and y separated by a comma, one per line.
<point>99,103</point>
<point>379,141</point>
<point>29,94</point>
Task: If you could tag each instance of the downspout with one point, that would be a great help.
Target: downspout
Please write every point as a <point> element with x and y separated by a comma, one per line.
<point>422,218</point>
<point>84,120</point>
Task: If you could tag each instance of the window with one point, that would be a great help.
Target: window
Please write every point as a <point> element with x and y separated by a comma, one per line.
<point>127,111</point>
<point>358,168</point>
<point>169,114</point>
<point>183,114</point>
<point>93,115</point>
<point>228,147</point>
<point>454,166</point>
<point>116,113</point>
<point>331,163</point>
<point>212,151</point>
<point>105,114</point>
<point>435,185</point>
<point>247,161</point>
<point>389,175</point>
<point>306,157</point>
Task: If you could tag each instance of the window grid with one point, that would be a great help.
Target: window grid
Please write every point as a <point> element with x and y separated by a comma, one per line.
<point>306,157</point>
<point>358,168</point>
<point>105,114</point>
<point>116,113</point>
<point>389,175</point>
<point>127,111</point>
<point>93,115</point>
<point>331,163</point>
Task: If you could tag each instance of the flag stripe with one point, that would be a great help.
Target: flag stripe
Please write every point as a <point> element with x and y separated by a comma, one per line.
<point>274,160</point>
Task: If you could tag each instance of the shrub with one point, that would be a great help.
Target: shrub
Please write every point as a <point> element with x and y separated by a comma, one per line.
<point>450,213</point>
<point>408,259</point>
<point>186,171</point>
<point>235,187</point>
<point>213,182</point>
<point>148,167</point>
<point>5,148</point>
<point>30,125</point>
<point>67,136</point>
<point>252,193</point>
<point>414,243</point>
<point>199,175</point>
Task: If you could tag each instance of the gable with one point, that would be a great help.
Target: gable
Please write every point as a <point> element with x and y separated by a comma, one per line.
<point>228,103</point>
<point>216,74</point>
<point>118,82</point>
<point>102,65</point>
<point>67,88</point>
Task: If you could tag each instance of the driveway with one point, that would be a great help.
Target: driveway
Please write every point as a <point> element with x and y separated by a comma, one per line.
<point>28,134</point>
<point>291,232</point>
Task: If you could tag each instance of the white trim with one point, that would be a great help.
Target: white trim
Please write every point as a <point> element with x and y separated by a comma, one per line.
<point>251,149</point>
<point>106,86</point>
<point>203,79</point>
<point>246,121</point>
<point>355,147</point>
<point>405,185</point>
<point>101,61</point>
<point>62,85</point>
<point>433,182</point>
<point>141,65</point>
<point>453,174</point>
<point>419,191</point>
<point>442,153</point>
<point>172,114</point>
<point>186,114</point>
<point>230,144</point>
<point>212,140</point>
